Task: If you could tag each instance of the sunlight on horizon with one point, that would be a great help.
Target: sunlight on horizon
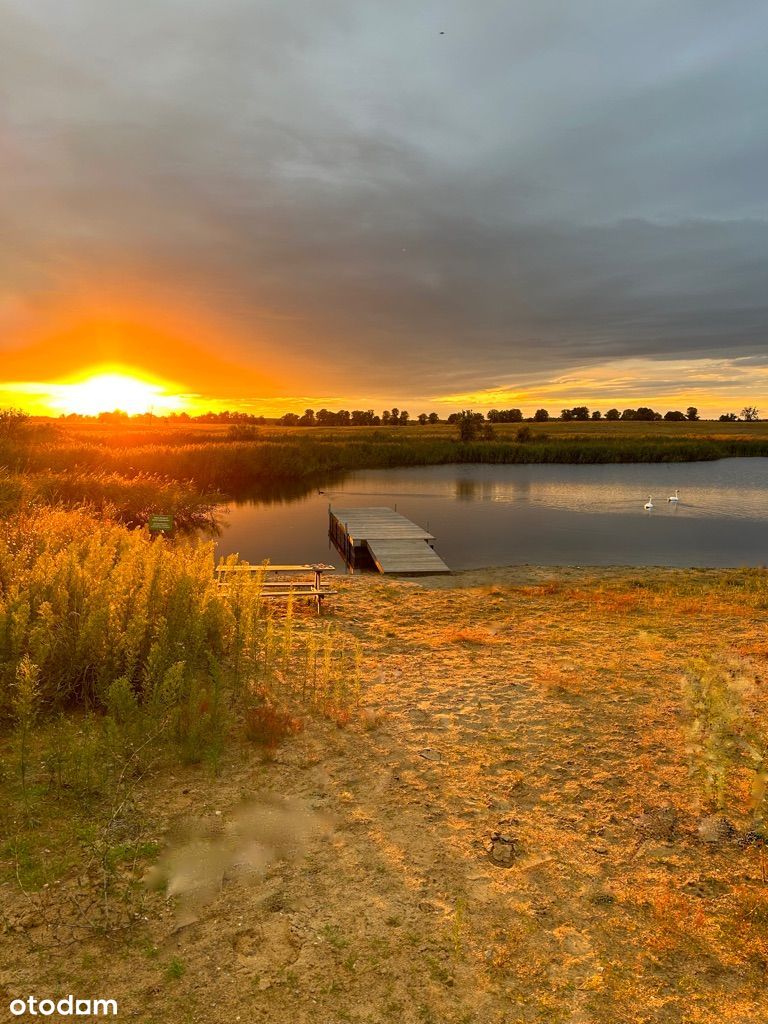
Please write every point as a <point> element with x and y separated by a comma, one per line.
<point>107,391</point>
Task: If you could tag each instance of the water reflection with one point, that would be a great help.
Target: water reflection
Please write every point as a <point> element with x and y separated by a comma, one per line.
<point>543,514</point>
<point>466,490</point>
<point>281,492</point>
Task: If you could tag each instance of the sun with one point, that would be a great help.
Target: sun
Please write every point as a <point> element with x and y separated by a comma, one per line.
<point>108,391</point>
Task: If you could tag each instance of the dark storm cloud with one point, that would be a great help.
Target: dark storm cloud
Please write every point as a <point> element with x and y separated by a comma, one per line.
<point>546,185</point>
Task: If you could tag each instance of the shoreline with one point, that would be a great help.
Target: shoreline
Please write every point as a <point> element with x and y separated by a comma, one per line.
<point>527,574</point>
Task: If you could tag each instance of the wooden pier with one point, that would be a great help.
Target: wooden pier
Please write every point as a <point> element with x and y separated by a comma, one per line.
<point>392,543</point>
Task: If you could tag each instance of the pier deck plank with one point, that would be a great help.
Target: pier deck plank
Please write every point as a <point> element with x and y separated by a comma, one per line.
<point>395,544</point>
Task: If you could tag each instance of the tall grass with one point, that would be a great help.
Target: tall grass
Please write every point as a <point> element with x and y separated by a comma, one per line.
<point>109,495</point>
<point>281,458</point>
<point>119,654</point>
<point>110,620</point>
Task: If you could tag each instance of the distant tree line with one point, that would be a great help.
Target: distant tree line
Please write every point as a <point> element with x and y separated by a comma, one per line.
<point>401,417</point>
<point>356,418</point>
<point>396,417</point>
<point>118,416</point>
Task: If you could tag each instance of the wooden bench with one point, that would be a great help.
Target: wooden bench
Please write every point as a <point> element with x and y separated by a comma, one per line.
<point>314,587</point>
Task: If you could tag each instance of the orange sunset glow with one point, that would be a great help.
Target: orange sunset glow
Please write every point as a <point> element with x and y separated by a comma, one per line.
<point>106,391</point>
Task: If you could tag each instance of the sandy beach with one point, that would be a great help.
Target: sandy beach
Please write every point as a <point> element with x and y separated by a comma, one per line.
<point>507,831</point>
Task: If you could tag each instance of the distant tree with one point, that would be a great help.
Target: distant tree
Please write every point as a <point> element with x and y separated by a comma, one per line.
<point>541,416</point>
<point>404,417</point>
<point>644,413</point>
<point>613,414</point>
<point>691,413</point>
<point>385,417</point>
<point>505,416</point>
<point>580,412</point>
<point>453,418</point>
<point>344,417</point>
<point>308,419</point>
<point>728,417</point>
<point>422,418</point>
<point>674,414</point>
<point>471,425</point>
<point>433,417</point>
<point>468,427</point>
<point>597,415</point>
<point>394,416</point>
<point>289,420</point>
<point>750,413</point>
<point>566,414</point>
<point>629,414</point>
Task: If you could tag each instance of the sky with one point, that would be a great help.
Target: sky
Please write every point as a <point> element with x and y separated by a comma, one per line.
<point>274,204</point>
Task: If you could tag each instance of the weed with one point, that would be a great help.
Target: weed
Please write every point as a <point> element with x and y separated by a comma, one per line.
<point>457,926</point>
<point>265,722</point>
<point>726,733</point>
<point>25,701</point>
<point>334,936</point>
<point>175,970</point>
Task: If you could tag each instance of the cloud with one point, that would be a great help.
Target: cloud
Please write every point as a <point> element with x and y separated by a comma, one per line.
<point>343,194</point>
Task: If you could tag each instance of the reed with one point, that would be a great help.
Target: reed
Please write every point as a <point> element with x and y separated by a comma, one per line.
<point>129,501</point>
<point>285,458</point>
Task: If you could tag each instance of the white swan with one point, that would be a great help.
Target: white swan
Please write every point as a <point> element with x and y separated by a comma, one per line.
<point>649,504</point>
<point>675,496</point>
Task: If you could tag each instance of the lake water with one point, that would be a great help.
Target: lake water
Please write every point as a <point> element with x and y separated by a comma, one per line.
<point>487,515</point>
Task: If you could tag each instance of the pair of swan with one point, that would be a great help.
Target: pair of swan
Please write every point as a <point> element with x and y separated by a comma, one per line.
<point>673,497</point>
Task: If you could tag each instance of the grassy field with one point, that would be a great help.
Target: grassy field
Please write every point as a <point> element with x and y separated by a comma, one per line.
<point>544,809</point>
<point>126,435</point>
<point>207,460</point>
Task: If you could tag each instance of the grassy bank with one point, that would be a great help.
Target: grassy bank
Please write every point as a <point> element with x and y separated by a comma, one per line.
<point>210,461</point>
<point>127,500</point>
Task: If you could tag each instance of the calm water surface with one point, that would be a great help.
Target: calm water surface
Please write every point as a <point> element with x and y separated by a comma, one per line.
<point>540,515</point>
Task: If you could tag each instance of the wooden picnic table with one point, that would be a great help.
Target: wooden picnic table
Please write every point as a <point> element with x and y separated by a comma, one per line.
<point>313,588</point>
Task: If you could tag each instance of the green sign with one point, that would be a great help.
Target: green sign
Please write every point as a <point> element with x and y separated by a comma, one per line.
<point>160,524</point>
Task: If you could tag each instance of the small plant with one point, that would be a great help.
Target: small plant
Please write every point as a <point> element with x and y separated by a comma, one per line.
<point>726,732</point>
<point>265,722</point>
<point>175,970</point>
<point>25,706</point>
<point>242,432</point>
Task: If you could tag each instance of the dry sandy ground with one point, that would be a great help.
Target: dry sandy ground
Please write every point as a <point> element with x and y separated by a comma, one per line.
<point>539,706</point>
